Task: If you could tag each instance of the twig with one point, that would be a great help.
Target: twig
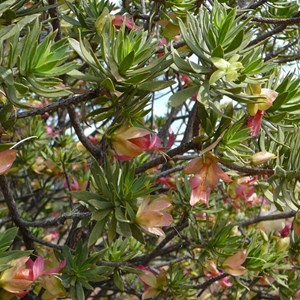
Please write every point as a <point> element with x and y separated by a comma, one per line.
<point>287,21</point>
<point>209,282</point>
<point>277,29</point>
<point>157,251</point>
<point>253,171</point>
<point>12,207</point>
<point>159,160</point>
<point>55,21</point>
<point>93,149</point>
<point>259,219</point>
<point>257,4</point>
<point>60,104</point>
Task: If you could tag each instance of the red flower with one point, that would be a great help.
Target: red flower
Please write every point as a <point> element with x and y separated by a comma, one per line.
<point>129,142</point>
<point>153,214</point>
<point>118,21</point>
<point>207,174</point>
<point>254,122</point>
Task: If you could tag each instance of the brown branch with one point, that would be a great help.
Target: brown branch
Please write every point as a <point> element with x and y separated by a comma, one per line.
<point>55,20</point>
<point>287,21</point>
<point>56,105</point>
<point>162,159</point>
<point>51,221</point>
<point>92,148</point>
<point>208,283</point>
<point>254,171</point>
<point>288,58</point>
<point>259,219</point>
<point>193,124</point>
<point>157,251</point>
<point>277,29</point>
<point>257,4</point>
<point>13,211</point>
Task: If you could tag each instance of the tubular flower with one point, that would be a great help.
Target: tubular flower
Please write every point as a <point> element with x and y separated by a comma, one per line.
<point>257,110</point>
<point>7,157</point>
<point>152,214</point>
<point>229,68</point>
<point>267,96</point>
<point>200,191</point>
<point>207,174</point>
<point>18,279</point>
<point>129,142</point>
<point>211,270</point>
<point>153,284</point>
<point>262,157</point>
<point>233,264</point>
<point>118,21</point>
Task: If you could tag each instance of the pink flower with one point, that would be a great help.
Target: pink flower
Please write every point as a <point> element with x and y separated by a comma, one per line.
<point>118,21</point>
<point>168,182</point>
<point>207,174</point>
<point>211,270</point>
<point>153,284</point>
<point>129,142</point>
<point>255,200</point>
<point>74,185</point>
<point>257,110</point>
<point>51,131</point>
<point>51,236</point>
<point>93,139</point>
<point>200,191</point>
<point>7,157</point>
<point>285,231</point>
<point>254,122</point>
<point>186,80</point>
<point>262,157</point>
<point>233,264</point>
<point>152,214</point>
<point>18,279</point>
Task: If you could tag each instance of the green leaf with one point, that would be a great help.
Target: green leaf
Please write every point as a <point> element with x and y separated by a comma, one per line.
<point>218,52</point>
<point>7,237</point>
<point>86,196</point>
<point>180,96</point>
<point>46,92</point>
<point>82,51</point>
<point>107,83</point>
<point>126,63</point>
<point>236,42</point>
<point>100,214</point>
<point>7,257</point>
<point>96,232</point>
<point>21,88</point>
<point>6,146</point>
<point>188,66</point>
<point>79,291</point>
<point>153,86</point>
<point>226,25</point>
<point>118,280</point>
<point>6,5</point>
<point>101,21</point>
<point>276,118</point>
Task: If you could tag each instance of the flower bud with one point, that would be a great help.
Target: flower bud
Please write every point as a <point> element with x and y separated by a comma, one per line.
<point>283,244</point>
<point>253,89</point>
<point>261,157</point>
<point>296,224</point>
<point>80,147</point>
<point>264,103</point>
<point>252,108</point>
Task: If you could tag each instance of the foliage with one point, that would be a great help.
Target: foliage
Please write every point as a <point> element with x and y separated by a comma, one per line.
<point>149,149</point>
